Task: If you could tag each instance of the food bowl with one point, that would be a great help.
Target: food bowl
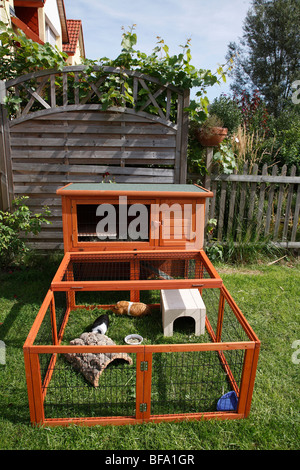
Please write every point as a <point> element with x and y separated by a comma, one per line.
<point>133,339</point>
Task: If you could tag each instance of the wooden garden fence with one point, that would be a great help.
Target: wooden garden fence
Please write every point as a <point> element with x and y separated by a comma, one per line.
<point>256,205</point>
<point>60,132</point>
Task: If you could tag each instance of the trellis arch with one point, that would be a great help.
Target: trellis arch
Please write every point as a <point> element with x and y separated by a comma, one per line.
<point>62,131</point>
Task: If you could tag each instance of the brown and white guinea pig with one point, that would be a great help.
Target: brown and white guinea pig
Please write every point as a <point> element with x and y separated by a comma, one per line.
<point>134,309</point>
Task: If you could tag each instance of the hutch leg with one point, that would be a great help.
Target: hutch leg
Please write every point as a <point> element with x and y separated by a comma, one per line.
<point>28,373</point>
<point>35,394</point>
<point>251,379</point>
<point>244,398</point>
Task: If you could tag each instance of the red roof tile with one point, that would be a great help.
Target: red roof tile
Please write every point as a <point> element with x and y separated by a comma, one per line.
<point>74,27</point>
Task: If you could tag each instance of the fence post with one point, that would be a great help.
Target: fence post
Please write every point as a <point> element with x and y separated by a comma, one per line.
<point>207,179</point>
<point>182,137</point>
<point>143,386</point>
<point>35,395</point>
<point>208,163</point>
<point>28,373</point>
<point>248,379</point>
<point>6,183</point>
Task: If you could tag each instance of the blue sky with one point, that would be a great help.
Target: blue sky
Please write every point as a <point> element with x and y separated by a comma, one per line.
<point>211,25</point>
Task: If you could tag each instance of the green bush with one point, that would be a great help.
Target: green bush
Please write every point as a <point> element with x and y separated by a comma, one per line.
<point>15,226</point>
<point>288,137</point>
<point>228,111</point>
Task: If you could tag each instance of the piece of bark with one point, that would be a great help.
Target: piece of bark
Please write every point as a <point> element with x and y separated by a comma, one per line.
<point>92,365</point>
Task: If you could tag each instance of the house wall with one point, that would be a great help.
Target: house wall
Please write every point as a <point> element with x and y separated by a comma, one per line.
<point>51,15</point>
<point>44,25</point>
<point>76,58</point>
<point>29,16</point>
<point>4,11</point>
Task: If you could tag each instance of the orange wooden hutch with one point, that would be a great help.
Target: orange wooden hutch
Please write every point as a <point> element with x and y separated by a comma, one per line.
<point>173,211</point>
<point>163,249</point>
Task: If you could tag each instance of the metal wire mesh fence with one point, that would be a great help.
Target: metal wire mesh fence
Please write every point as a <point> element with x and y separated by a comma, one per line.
<point>190,382</point>
<point>101,267</point>
<point>69,394</point>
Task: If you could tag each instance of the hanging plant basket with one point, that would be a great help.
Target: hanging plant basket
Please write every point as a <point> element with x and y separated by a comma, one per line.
<point>211,137</point>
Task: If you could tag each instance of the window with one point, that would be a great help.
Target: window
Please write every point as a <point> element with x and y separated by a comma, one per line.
<point>50,35</point>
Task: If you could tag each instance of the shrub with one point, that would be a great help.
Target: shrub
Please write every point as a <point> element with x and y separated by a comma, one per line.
<point>15,226</point>
<point>254,112</point>
<point>228,111</point>
<point>287,132</point>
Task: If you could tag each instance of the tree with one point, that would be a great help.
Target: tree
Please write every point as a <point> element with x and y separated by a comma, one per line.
<point>267,57</point>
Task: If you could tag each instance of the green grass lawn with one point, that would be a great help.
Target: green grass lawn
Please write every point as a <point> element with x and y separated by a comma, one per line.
<point>269,298</point>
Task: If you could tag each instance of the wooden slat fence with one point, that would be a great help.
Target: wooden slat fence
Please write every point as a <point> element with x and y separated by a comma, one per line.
<point>257,205</point>
<point>61,132</point>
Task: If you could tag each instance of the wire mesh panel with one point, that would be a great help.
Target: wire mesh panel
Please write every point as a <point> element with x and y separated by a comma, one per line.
<point>158,266</point>
<point>188,382</point>
<point>98,271</point>
<point>232,329</point>
<point>70,395</point>
<point>211,299</point>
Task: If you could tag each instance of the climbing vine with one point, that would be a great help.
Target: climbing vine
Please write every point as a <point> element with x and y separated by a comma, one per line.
<point>20,55</point>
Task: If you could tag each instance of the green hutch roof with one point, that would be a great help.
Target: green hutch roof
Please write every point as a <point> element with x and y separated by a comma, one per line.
<point>132,187</point>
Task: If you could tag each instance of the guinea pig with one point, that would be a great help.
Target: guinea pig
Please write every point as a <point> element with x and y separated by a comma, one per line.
<point>100,325</point>
<point>134,309</point>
